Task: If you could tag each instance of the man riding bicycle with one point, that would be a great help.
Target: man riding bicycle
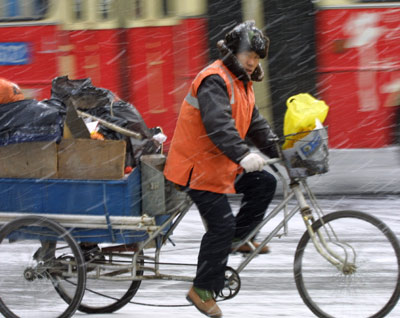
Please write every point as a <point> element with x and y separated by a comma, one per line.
<point>210,158</point>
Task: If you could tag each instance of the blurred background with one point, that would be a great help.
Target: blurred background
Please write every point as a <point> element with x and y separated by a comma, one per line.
<point>345,52</point>
<point>148,52</point>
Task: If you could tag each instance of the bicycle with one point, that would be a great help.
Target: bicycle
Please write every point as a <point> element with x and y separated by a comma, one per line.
<point>80,257</point>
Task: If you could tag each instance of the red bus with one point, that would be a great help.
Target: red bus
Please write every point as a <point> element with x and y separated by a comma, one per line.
<point>128,47</point>
<point>358,62</point>
<point>148,52</point>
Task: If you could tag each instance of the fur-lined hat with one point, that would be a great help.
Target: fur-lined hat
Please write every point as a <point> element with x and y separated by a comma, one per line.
<point>244,37</point>
<point>247,37</point>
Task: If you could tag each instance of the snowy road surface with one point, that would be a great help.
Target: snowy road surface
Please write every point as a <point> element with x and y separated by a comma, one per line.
<point>268,288</point>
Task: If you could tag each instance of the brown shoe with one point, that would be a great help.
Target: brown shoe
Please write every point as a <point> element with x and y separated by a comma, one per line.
<point>208,307</point>
<point>246,248</point>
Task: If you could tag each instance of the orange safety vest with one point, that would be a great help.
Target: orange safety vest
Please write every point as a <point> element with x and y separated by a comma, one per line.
<point>192,154</point>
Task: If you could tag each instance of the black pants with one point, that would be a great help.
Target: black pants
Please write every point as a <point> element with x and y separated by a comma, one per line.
<point>258,189</point>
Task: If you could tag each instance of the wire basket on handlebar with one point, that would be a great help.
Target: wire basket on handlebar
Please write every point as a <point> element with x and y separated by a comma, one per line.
<point>309,154</point>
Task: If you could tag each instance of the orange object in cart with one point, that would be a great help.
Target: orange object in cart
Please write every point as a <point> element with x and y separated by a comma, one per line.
<point>359,72</point>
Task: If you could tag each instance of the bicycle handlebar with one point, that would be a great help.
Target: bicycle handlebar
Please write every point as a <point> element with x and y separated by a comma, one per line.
<point>272,161</point>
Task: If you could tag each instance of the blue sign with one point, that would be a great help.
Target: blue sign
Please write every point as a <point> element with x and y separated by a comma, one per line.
<point>14,53</point>
<point>309,148</point>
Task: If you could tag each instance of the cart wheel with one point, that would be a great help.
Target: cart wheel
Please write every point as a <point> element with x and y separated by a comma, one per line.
<point>30,251</point>
<point>114,289</point>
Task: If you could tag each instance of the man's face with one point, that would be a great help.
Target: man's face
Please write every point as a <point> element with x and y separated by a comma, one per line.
<point>249,60</point>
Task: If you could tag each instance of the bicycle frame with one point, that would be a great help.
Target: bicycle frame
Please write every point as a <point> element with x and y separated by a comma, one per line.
<point>306,203</point>
<point>128,262</point>
<point>318,239</point>
<point>292,191</point>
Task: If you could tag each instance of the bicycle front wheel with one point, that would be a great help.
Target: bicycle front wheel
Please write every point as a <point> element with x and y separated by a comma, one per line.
<point>366,284</point>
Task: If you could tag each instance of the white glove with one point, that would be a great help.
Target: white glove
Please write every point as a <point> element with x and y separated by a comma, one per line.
<point>160,138</point>
<point>252,162</point>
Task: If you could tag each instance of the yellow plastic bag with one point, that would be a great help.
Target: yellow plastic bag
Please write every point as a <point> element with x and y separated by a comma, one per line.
<point>302,111</point>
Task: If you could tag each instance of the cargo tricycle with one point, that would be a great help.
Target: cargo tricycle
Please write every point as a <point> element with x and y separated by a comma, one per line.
<point>68,245</point>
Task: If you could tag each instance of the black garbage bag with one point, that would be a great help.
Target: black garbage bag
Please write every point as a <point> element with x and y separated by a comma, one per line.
<point>80,92</point>
<point>31,120</point>
<point>104,104</point>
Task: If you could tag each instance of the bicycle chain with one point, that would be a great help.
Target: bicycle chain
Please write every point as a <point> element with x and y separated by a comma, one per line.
<point>231,295</point>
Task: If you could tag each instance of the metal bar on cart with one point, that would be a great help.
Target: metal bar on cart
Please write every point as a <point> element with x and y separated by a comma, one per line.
<point>139,223</point>
<point>111,126</point>
<point>107,215</point>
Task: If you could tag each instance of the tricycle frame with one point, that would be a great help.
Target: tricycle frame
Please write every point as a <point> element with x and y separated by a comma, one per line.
<point>327,247</point>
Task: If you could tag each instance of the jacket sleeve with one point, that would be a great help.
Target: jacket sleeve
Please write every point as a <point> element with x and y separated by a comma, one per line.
<point>261,135</point>
<point>216,114</point>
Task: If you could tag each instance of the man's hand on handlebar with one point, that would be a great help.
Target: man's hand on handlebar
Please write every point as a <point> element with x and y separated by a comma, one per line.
<point>252,162</point>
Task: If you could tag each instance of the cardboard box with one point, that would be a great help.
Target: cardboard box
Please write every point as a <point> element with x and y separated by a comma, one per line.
<point>29,160</point>
<point>82,159</point>
<point>91,159</point>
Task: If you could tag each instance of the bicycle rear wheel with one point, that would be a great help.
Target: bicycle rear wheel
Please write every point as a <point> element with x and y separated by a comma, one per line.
<point>369,286</point>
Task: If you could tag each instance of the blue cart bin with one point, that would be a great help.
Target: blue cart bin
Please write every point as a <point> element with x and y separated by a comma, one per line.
<point>61,196</point>
<point>80,197</point>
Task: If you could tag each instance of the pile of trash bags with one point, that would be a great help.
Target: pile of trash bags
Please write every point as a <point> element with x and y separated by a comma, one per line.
<point>105,105</point>
<point>27,120</point>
